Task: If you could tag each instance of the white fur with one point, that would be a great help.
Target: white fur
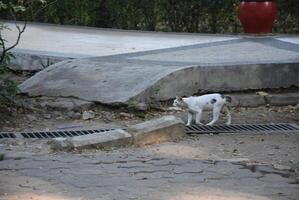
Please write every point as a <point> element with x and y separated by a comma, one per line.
<point>197,104</point>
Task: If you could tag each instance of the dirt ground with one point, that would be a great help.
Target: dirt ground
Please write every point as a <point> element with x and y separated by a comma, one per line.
<point>280,150</point>
<point>16,118</point>
<point>275,149</point>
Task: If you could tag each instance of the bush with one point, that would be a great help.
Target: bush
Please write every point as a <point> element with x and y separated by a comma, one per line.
<point>8,87</point>
<point>206,16</point>
<point>12,10</point>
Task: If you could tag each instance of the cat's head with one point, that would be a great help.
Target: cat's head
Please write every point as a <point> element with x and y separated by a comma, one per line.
<point>178,102</point>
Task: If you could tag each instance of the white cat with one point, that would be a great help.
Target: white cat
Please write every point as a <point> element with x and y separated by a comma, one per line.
<point>196,104</point>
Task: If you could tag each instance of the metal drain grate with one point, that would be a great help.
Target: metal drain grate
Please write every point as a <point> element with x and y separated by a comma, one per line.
<point>248,128</point>
<point>52,134</point>
<point>7,135</point>
<point>195,129</point>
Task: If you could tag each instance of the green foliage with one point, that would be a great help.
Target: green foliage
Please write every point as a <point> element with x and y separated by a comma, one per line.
<point>4,63</point>
<point>11,9</point>
<point>8,87</point>
<point>287,20</point>
<point>205,16</point>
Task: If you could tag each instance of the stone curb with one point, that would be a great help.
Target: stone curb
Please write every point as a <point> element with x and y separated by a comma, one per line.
<point>60,144</point>
<point>111,139</point>
<point>151,132</point>
<point>158,130</point>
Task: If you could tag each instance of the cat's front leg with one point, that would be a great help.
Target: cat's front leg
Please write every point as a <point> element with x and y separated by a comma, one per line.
<point>189,119</point>
<point>198,117</point>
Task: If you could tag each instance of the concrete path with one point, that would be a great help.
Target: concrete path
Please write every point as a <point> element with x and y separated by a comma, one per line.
<point>152,173</point>
<point>78,42</point>
<point>156,66</point>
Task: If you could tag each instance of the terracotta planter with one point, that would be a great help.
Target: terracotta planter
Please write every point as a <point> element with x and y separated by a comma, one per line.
<point>257,16</point>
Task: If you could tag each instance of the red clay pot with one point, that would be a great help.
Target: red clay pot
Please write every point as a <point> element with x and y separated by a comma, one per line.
<point>257,16</point>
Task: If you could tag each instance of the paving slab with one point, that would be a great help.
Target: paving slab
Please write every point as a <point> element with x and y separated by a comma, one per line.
<point>146,67</point>
<point>78,42</point>
<point>294,40</point>
<point>242,52</point>
<point>143,174</point>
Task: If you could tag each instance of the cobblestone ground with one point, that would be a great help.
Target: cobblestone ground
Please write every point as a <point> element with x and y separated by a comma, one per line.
<point>168,171</point>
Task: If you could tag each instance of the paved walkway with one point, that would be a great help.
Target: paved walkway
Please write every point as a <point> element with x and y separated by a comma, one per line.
<point>139,173</point>
<point>142,66</point>
<point>78,42</point>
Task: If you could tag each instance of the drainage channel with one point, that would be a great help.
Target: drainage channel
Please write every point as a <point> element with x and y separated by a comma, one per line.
<point>244,128</point>
<point>52,134</point>
<point>195,129</point>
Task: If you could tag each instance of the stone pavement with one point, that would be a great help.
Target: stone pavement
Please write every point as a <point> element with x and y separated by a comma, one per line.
<point>139,174</point>
<point>79,42</point>
<point>146,67</point>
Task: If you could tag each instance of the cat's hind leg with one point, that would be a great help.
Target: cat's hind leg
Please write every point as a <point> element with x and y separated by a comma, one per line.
<point>228,114</point>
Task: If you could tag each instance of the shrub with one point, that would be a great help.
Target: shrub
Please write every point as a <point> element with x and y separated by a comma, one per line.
<point>206,16</point>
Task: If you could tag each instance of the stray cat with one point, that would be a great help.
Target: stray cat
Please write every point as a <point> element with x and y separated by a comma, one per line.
<point>196,104</point>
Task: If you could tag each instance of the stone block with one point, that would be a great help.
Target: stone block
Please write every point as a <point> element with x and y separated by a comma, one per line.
<point>157,130</point>
<point>33,62</point>
<point>283,99</point>
<point>105,140</point>
<point>60,144</point>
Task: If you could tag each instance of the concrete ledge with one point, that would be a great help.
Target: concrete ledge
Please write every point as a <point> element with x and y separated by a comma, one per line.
<point>54,103</point>
<point>247,100</point>
<point>283,99</point>
<point>33,62</point>
<point>110,139</point>
<point>221,78</point>
<point>157,130</point>
<point>255,100</point>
